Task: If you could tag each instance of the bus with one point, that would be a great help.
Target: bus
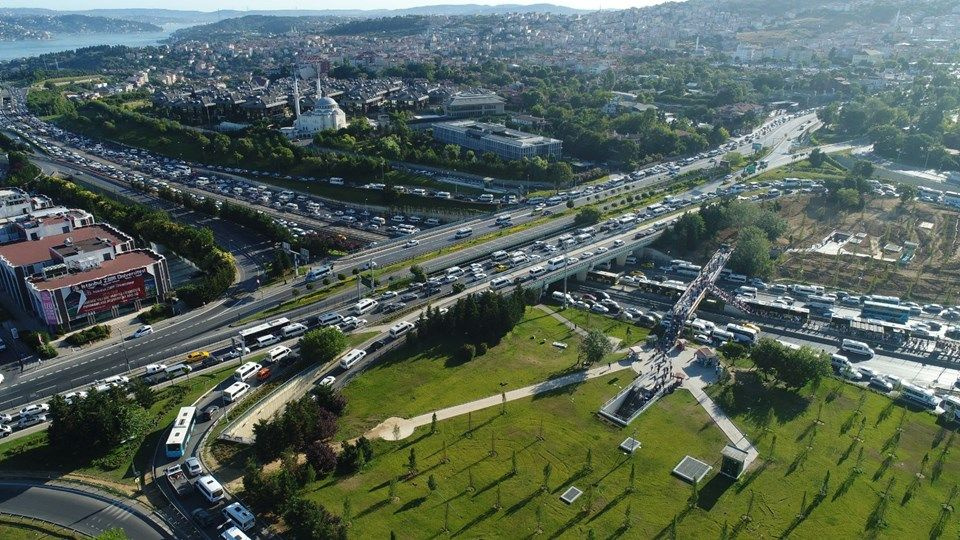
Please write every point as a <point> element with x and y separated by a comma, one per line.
<point>235,391</point>
<point>275,327</point>
<point>815,301</point>
<point>885,312</point>
<point>778,311</point>
<point>742,333</point>
<point>880,299</point>
<point>180,432</point>
<point>607,278</point>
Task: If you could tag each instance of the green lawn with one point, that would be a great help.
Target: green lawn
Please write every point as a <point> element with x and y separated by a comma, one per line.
<point>781,484</point>
<point>32,452</point>
<point>672,428</point>
<point>771,493</point>
<point>800,169</point>
<point>14,529</point>
<point>356,339</point>
<point>629,334</point>
<point>405,384</point>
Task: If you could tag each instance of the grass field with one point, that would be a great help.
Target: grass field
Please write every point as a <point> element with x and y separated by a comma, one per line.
<point>16,529</point>
<point>358,338</point>
<point>671,429</point>
<point>800,169</point>
<point>627,333</point>
<point>780,494</point>
<point>804,451</point>
<point>405,384</point>
<point>32,453</point>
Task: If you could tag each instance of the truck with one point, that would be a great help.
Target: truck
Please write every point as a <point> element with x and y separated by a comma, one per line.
<point>178,479</point>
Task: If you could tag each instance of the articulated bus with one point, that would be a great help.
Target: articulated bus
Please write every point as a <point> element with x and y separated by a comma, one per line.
<point>767,309</point>
<point>885,312</point>
<point>607,278</point>
<point>180,432</point>
<point>274,327</point>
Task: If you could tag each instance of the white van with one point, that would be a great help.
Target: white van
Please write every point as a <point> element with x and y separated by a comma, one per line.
<point>499,283</point>
<point>239,515</point>
<point>556,263</point>
<point>235,391</point>
<point>246,371</point>
<point>840,362</point>
<point>293,329</point>
<point>856,347</point>
<point>454,271</point>
<point>737,278</point>
<point>537,271</point>
<point>278,353</point>
<point>498,256</point>
<point>401,328</point>
<point>267,340</point>
<point>351,358</point>
<point>364,306</point>
<point>210,488</point>
<point>463,233</point>
<point>329,319</point>
<point>233,533</point>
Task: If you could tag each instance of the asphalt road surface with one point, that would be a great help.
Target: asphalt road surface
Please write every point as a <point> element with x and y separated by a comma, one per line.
<point>75,509</point>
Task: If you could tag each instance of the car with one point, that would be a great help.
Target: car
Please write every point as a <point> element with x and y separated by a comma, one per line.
<point>73,396</point>
<point>5,430</point>
<point>151,369</point>
<point>411,243</point>
<point>378,344</point>
<point>408,297</point>
<point>868,373</point>
<point>6,418</point>
<point>27,421</point>
<point>933,308</point>
<point>617,243</point>
<point>36,408</point>
<point>198,356</point>
<point>328,380</point>
<point>598,308</point>
<point>702,339</point>
<point>204,518</point>
<point>234,353</point>
<point>144,330</point>
<point>209,413</point>
<point>192,466</point>
<point>881,383</point>
<point>388,295</point>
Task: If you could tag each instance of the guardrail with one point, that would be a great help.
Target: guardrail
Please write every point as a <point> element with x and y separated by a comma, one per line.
<point>46,523</point>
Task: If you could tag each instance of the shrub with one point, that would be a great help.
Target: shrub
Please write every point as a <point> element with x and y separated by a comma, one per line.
<point>481,348</point>
<point>466,352</point>
<point>40,343</point>
<point>89,335</point>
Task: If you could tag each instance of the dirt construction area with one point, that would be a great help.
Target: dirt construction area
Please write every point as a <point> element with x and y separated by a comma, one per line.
<point>911,251</point>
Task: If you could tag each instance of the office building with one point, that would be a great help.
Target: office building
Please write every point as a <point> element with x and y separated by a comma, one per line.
<point>509,144</point>
<point>473,104</point>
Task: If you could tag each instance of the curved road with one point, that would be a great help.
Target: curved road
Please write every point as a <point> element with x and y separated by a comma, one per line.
<point>75,509</point>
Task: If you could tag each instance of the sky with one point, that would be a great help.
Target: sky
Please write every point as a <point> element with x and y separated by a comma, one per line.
<point>213,5</point>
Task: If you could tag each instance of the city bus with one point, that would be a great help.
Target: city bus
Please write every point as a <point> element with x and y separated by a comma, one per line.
<point>180,432</point>
<point>779,311</point>
<point>607,278</point>
<point>885,312</point>
<point>742,333</point>
<point>880,299</point>
<point>815,301</point>
<point>274,327</point>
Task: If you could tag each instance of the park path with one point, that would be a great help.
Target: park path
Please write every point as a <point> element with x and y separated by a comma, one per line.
<point>404,427</point>
<point>698,378</point>
<point>614,342</point>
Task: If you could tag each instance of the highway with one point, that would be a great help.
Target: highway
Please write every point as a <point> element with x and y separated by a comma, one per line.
<point>76,509</point>
<point>209,326</point>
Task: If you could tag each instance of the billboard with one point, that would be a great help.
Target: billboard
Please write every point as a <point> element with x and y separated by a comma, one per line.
<point>104,293</point>
<point>49,307</point>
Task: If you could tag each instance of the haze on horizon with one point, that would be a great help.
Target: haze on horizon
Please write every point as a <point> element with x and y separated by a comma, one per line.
<point>213,5</point>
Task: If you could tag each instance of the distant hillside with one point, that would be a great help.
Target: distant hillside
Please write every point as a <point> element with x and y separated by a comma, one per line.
<point>403,25</point>
<point>251,25</point>
<point>161,16</point>
<point>15,27</point>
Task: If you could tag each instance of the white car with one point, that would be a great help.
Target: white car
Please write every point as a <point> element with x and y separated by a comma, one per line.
<point>617,243</point>
<point>144,330</point>
<point>73,396</point>
<point>388,295</point>
<point>328,380</point>
<point>27,421</point>
<point>192,466</point>
<point>155,368</point>
<point>33,409</point>
<point>411,243</point>
<point>1,379</point>
<point>5,430</point>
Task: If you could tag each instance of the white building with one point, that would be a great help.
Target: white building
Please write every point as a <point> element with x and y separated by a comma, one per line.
<point>326,114</point>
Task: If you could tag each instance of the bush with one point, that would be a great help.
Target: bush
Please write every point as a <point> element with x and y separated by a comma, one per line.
<point>40,343</point>
<point>466,352</point>
<point>481,348</point>
<point>156,313</point>
<point>89,335</point>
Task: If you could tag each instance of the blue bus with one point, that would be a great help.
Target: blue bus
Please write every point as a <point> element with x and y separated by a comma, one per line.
<point>885,312</point>
<point>180,432</point>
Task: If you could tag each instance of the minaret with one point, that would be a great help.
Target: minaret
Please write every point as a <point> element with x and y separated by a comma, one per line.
<point>296,97</point>
<point>319,90</point>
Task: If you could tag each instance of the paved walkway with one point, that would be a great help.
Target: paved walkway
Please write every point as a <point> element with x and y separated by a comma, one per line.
<point>385,430</point>
<point>699,377</point>
<point>614,342</point>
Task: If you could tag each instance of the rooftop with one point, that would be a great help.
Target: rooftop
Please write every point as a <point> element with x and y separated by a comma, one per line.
<point>24,253</point>
<point>124,262</point>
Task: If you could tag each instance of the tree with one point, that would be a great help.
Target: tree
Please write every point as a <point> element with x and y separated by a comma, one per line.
<point>847,198</point>
<point>330,399</point>
<point>907,192</point>
<point>862,169</point>
<point>322,456</point>
<point>95,424</point>
<point>432,483</point>
<point>466,352</point>
<point>419,276</point>
<point>593,347</point>
<point>143,394</point>
<point>412,461</point>
<point>322,345</point>
<point>689,231</point>
<point>547,470</point>
<point>817,158</point>
<point>587,216</point>
<point>752,254</point>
